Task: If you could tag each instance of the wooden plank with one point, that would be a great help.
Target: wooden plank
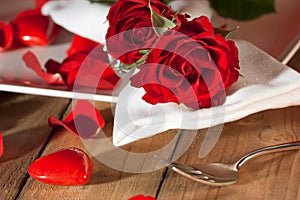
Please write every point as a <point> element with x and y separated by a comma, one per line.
<point>106,182</point>
<point>273,176</point>
<point>23,121</point>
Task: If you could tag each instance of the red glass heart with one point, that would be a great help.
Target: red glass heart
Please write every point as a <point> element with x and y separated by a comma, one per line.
<point>34,29</point>
<point>6,36</point>
<point>70,166</point>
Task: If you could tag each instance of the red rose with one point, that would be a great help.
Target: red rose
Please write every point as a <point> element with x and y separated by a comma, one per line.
<point>132,15</point>
<point>190,65</point>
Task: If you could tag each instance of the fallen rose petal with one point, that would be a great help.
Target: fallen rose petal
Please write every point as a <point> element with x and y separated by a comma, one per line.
<point>34,29</point>
<point>87,67</point>
<point>32,62</point>
<point>6,36</point>
<point>86,80</point>
<point>1,144</point>
<point>92,73</point>
<point>81,44</point>
<point>142,197</point>
<point>70,166</point>
<point>84,120</point>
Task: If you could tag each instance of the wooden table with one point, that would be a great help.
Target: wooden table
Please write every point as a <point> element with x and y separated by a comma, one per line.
<point>23,120</point>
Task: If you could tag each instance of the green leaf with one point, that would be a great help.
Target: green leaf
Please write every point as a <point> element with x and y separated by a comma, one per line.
<point>159,23</point>
<point>144,51</point>
<point>225,33</point>
<point>243,9</point>
<point>166,1</point>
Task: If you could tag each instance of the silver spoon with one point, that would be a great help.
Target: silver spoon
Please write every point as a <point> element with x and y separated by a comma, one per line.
<point>220,174</point>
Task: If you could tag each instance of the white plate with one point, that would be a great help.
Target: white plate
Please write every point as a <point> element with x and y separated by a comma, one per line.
<point>15,77</point>
<point>277,34</point>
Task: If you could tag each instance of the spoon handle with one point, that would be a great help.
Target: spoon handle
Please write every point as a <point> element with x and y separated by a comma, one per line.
<point>266,150</point>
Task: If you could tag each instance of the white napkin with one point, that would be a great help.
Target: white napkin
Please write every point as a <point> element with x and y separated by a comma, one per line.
<point>88,19</point>
<point>266,84</point>
<point>194,8</point>
<point>80,17</point>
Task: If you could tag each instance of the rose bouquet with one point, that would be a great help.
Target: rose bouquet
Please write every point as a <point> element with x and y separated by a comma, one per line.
<point>180,60</point>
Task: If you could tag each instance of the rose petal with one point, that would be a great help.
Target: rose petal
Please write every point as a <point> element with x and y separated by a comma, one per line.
<point>85,73</point>
<point>1,144</point>
<point>94,74</point>
<point>6,36</point>
<point>86,66</point>
<point>32,62</point>
<point>87,80</point>
<point>81,44</point>
<point>141,197</point>
<point>84,120</point>
<point>32,28</point>
<point>95,65</point>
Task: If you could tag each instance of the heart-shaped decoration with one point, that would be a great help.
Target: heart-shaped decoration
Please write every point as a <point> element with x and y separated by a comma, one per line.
<point>70,166</point>
<point>34,29</point>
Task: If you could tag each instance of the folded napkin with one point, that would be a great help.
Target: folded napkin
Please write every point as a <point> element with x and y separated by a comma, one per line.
<point>266,84</point>
<point>80,17</point>
<point>88,19</point>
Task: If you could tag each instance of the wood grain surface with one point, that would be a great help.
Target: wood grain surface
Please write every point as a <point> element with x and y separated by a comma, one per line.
<point>23,121</point>
<point>273,176</point>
